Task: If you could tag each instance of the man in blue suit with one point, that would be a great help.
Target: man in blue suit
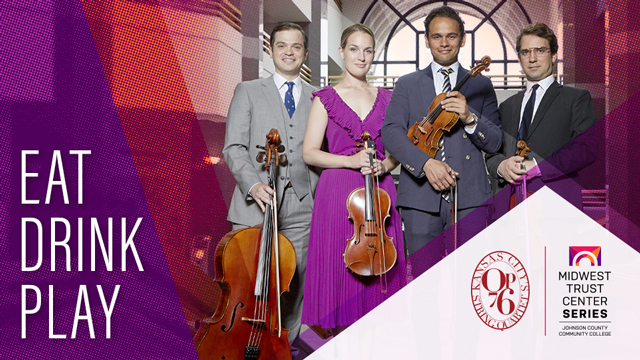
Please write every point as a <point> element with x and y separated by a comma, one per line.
<point>423,192</point>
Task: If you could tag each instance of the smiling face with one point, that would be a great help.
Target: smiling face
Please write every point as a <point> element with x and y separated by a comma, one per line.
<point>288,53</point>
<point>536,67</point>
<point>358,53</point>
<point>444,40</point>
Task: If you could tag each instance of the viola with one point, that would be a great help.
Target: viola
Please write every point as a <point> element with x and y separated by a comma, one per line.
<point>521,193</point>
<point>253,267</point>
<point>426,134</point>
<point>369,252</point>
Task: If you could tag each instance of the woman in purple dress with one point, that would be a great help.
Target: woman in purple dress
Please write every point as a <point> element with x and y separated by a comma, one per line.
<point>334,297</point>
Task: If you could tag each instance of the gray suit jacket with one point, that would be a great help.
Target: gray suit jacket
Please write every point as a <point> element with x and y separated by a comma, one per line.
<point>255,109</point>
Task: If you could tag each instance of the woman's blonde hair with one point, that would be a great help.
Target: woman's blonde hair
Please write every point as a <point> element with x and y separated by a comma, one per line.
<point>354,28</point>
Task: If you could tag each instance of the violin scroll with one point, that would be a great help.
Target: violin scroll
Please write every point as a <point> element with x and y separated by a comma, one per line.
<point>523,149</point>
<point>521,193</point>
<point>365,143</point>
<point>483,65</point>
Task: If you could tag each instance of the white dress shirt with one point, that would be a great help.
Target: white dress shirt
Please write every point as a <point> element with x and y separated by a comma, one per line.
<point>281,84</point>
<point>438,78</point>
<point>542,89</point>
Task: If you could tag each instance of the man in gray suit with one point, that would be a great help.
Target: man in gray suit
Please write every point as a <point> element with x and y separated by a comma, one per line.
<point>280,102</point>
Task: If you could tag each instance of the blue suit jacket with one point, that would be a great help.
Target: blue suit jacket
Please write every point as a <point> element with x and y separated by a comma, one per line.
<point>409,103</point>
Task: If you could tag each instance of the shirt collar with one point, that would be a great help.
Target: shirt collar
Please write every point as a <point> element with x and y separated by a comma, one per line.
<point>544,83</point>
<point>280,81</point>
<point>435,67</point>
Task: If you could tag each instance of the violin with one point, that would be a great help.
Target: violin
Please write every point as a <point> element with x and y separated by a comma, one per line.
<point>426,134</point>
<point>369,252</point>
<point>521,193</point>
<point>253,267</point>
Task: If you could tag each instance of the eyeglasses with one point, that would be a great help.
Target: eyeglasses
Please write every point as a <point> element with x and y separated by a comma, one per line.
<point>538,51</point>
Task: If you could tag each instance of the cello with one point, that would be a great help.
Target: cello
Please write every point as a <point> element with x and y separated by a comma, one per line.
<point>253,266</point>
<point>427,133</point>
<point>369,252</point>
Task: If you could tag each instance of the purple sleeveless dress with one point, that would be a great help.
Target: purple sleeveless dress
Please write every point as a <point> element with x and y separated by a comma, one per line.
<point>333,296</point>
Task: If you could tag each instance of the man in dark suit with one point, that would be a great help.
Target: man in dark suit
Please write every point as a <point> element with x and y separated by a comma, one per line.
<point>423,192</point>
<point>282,102</point>
<point>547,116</point>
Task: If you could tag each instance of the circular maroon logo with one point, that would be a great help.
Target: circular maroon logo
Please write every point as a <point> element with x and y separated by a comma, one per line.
<point>500,290</point>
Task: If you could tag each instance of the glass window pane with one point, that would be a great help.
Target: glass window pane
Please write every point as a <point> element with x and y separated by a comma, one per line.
<point>485,40</point>
<point>403,45</point>
<point>488,43</point>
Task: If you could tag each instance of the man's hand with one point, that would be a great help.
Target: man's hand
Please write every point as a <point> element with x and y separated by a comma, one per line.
<point>457,103</point>
<point>511,168</point>
<point>261,193</point>
<point>439,174</point>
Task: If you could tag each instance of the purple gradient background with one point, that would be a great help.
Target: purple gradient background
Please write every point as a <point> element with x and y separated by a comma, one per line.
<point>55,96</point>
<point>79,113</point>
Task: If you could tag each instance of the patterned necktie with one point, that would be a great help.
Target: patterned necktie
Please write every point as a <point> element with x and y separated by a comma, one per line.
<point>447,82</point>
<point>445,88</point>
<point>527,116</point>
<point>289,102</point>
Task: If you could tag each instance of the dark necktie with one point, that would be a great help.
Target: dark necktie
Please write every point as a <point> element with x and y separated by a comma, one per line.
<point>527,116</point>
<point>446,87</point>
<point>289,102</point>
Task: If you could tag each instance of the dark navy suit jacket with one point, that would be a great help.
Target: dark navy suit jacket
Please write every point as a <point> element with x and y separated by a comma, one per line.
<point>557,139</point>
<point>409,103</point>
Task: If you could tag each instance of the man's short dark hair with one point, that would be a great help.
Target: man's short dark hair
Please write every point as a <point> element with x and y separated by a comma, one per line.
<point>539,30</point>
<point>444,11</point>
<point>288,26</point>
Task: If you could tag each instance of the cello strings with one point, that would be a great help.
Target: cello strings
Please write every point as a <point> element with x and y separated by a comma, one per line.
<point>269,218</point>
<point>258,314</point>
<point>267,271</point>
<point>253,340</point>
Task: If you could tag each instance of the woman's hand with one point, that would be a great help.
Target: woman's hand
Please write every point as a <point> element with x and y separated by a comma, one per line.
<point>359,160</point>
<point>378,166</point>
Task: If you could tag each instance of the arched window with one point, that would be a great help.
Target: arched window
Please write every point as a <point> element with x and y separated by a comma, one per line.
<point>402,46</point>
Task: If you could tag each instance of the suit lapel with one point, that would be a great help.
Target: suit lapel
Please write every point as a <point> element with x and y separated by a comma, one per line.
<point>270,91</point>
<point>513,127</point>
<point>427,88</point>
<point>305,99</point>
<point>547,99</point>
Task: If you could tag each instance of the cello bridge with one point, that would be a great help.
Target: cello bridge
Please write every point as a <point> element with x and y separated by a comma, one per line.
<point>253,320</point>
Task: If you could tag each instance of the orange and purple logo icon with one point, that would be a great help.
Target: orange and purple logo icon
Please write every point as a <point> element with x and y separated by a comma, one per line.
<point>592,253</point>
